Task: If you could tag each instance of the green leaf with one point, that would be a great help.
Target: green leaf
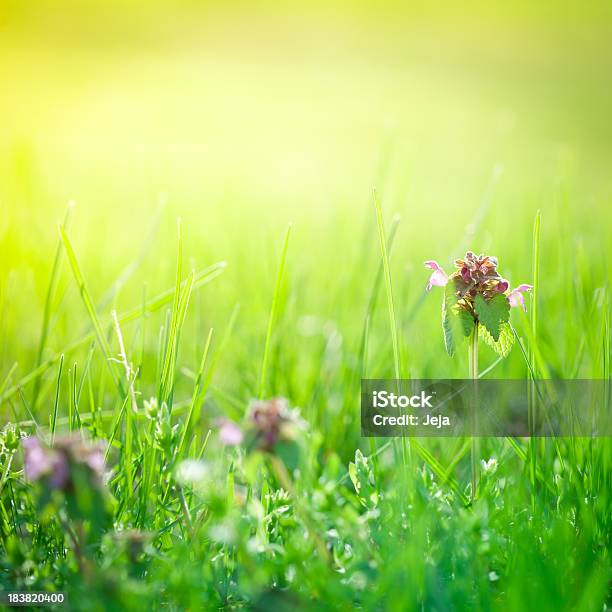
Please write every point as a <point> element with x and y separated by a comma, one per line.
<point>492,313</point>
<point>289,452</point>
<point>362,476</point>
<point>456,322</point>
<point>506,339</point>
<point>449,341</point>
<point>466,320</point>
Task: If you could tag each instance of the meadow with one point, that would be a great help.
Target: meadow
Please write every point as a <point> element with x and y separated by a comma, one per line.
<point>202,206</point>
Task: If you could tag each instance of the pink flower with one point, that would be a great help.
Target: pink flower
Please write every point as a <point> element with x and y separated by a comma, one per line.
<point>502,286</point>
<point>272,421</point>
<point>55,464</point>
<point>229,433</point>
<point>40,462</point>
<point>37,462</point>
<point>474,275</point>
<point>516,298</point>
<point>438,277</point>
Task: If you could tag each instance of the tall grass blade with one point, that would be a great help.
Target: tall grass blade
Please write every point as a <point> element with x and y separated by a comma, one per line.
<point>201,278</point>
<point>46,318</point>
<point>89,306</point>
<point>7,379</point>
<point>389,289</point>
<point>534,326</point>
<point>391,310</point>
<point>272,317</point>
<point>196,394</point>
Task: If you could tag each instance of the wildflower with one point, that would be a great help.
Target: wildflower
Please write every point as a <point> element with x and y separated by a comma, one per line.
<point>191,472</point>
<point>272,421</point>
<point>41,461</point>
<point>268,422</point>
<point>230,434</point>
<point>56,464</point>
<point>490,465</point>
<point>476,275</point>
<point>438,276</point>
<point>476,298</point>
<point>515,297</point>
<point>223,533</point>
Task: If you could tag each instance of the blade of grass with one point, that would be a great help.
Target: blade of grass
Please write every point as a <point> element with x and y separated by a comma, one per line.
<point>389,289</point>
<point>202,386</point>
<point>44,332</point>
<point>275,296</point>
<point>175,305</point>
<point>6,380</point>
<point>391,310</point>
<point>438,469</point>
<point>127,458</point>
<point>74,396</point>
<point>365,334</point>
<point>173,343</point>
<point>217,354</point>
<point>196,393</point>
<point>534,326</point>
<point>154,304</point>
<point>89,306</point>
<point>179,309</point>
<point>124,361</point>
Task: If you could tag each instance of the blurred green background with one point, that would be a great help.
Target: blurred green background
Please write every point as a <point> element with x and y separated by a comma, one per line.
<point>243,117</point>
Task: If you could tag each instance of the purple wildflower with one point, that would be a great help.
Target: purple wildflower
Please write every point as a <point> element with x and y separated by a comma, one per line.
<point>516,298</point>
<point>55,464</point>
<point>273,421</point>
<point>476,274</point>
<point>230,434</point>
<point>267,417</point>
<point>37,460</point>
<point>438,277</point>
<point>268,422</point>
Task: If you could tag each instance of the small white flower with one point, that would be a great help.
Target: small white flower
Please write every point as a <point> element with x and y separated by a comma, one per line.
<point>222,533</point>
<point>490,465</point>
<point>191,472</point>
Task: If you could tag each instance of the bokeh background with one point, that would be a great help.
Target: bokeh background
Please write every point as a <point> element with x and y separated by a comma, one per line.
<point>243,117</point>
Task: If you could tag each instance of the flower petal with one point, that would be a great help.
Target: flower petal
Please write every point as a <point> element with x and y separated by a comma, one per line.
<point>36,462</point>
<point>515,297</point>
<point>437,279</point>
<point>503,285</point>
<point>434,265</point>
<point>229,433</point>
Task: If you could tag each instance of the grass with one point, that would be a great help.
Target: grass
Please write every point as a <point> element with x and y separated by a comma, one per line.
<point>234,537</point>
<point>145,340</point>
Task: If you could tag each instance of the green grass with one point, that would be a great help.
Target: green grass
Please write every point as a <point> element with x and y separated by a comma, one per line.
<point>232,539</point>
<point>199,320</point>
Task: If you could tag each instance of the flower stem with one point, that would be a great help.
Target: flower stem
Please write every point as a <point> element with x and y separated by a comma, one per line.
<point>532,390</point>
<point>473,369</point>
